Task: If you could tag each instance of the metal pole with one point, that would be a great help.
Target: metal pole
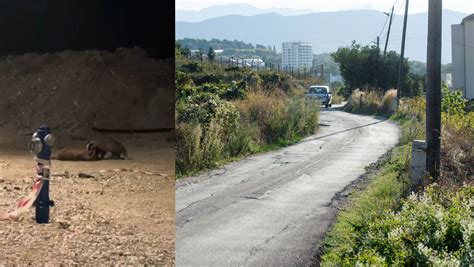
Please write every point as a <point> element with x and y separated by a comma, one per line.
<point>388,33</point>
<point>402,54</point>
<point>378,43</point>
<point>322,72</point>
<point>433,88</point>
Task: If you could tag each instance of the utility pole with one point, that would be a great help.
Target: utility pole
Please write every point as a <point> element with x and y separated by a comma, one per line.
<point>402,55</point>
<point>388,32</point>
<point>322,71</point>
<point>433,89</point>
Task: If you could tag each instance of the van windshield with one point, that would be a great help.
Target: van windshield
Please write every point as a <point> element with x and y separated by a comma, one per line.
<point>318,90</point>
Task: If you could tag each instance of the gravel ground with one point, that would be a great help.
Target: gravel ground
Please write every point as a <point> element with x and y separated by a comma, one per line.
<point>113,218</point>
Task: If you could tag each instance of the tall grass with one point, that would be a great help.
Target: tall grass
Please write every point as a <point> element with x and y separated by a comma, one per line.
<point>263,119</point>
<point>372,102</point>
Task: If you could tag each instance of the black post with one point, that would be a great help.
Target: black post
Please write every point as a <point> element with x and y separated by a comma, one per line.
<point>322,72</point>
<point>433,88</point>
<point>40,144</point>
<point>43,202</point>
<point>402,55</point>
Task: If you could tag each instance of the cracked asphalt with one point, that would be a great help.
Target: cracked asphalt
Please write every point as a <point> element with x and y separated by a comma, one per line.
<point>274,209</point>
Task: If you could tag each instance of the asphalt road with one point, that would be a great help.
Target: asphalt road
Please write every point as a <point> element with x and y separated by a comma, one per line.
<point>273,209</point>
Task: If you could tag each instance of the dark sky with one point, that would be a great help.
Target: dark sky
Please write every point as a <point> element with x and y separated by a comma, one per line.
<point>44,26</point>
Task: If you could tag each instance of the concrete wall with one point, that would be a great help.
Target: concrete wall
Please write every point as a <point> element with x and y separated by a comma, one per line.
<point>469,57</point>
<point>457,37</point>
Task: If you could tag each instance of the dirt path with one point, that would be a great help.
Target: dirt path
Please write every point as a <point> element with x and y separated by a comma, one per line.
<point>114,218</point>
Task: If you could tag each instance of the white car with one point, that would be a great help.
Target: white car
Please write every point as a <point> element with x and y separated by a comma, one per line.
<point>322,93</point>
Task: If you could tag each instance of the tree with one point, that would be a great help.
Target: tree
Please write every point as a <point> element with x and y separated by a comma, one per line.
<point>200,55</point>
<point>362,66</point>
<point>211,54</point>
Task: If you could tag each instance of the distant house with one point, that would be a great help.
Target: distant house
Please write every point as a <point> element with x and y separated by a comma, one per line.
<point>463,56</point>
<point>254,63</point>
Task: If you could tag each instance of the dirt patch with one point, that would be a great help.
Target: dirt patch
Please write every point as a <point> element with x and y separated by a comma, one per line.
<point>74,91</point>
<point>113,218</point>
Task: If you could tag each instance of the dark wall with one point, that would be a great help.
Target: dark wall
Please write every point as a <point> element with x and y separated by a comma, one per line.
<point>44,26</point>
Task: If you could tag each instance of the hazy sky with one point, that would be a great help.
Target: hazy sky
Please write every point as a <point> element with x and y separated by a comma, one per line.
<point>416,6</point>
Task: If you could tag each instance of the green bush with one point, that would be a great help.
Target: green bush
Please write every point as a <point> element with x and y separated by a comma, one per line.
<point>184,85</point>
<point>203,107</point>
<point>191,67</point>
<point>453,103</point>
<point>436,227</point>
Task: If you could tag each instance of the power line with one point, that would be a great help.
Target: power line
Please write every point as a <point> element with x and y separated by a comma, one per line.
<point>453,42</point>
<point>424,37</point>
<point>383,28</point>
<point>385,24</point>
<point>401,6</point>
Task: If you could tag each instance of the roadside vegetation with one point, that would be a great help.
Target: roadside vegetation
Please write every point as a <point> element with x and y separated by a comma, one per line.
<point>225,112</point>
<point>386,224</point>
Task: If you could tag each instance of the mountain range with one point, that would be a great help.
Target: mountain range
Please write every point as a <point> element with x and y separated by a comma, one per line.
<point>232,9</point>
<point>325,30</point>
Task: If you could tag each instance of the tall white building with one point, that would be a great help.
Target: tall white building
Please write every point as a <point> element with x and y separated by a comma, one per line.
<point>462,36</point>
<point>297,55</point>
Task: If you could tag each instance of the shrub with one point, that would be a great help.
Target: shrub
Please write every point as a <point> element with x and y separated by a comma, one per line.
<point>203,107</point>
<point>279,118</point>
<point>364,102</point>
<point>202,78</point>
<point>237,90</point>
<point>436,227</point>
<point>337,98</point>
<point>254,80</point>
<point>388,101</point>
<point>188,147</point>
<point>241,140</point>
<point>191,67</point>
<point>184,85</point>
<point>453,103</point>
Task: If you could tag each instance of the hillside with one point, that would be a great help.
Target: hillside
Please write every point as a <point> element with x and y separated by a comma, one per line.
<point>77,90</point>
<point>225,10</point>
<point>325,30</point>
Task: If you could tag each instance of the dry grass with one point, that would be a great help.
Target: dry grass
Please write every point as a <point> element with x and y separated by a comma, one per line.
<point>337,99</point>
<point>388,101</point>
<point>457,150</point>
<point>371,102</point>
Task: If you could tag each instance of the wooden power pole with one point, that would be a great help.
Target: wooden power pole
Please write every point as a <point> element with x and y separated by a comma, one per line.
<point>388,32</point>
<point>402,55</point>
<point>433,89</point>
